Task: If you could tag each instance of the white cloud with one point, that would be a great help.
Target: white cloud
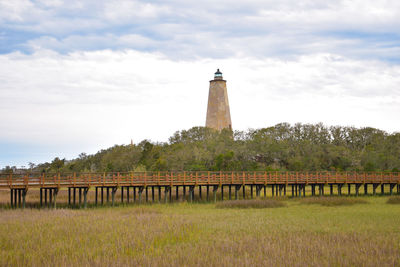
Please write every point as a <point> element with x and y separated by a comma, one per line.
<point>120,12</point>
<point>186,29</point>
<point>14,10</point>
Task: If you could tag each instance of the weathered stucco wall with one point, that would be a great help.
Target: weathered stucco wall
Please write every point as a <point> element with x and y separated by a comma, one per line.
<point>218,113</point>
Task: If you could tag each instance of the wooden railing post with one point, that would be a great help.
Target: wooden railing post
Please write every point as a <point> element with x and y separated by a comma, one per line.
<point>9,180</point>
<point>131,178</point>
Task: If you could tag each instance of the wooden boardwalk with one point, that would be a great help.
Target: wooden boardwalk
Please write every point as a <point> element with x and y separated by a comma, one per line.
<point>133,184</point>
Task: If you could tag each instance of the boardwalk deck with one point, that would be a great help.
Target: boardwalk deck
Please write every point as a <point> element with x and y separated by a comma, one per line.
<point>217,181</point>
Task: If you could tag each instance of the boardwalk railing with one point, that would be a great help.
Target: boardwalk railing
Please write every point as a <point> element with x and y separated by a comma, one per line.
<point>194,178</point>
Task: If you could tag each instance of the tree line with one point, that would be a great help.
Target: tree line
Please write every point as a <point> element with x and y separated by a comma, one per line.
<point>283,147</point>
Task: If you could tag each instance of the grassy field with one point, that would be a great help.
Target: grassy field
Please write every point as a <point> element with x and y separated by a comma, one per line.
<point>297,233</point>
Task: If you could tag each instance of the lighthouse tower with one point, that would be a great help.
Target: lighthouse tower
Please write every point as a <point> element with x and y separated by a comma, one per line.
<point>218,113</point>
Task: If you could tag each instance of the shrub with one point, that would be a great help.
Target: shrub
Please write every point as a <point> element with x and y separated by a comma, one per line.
<point>333,201</point>
<point>250,204</point>
<point>393,200</point>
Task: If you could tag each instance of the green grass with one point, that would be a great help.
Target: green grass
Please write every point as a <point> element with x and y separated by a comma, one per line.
<point>203,235</point>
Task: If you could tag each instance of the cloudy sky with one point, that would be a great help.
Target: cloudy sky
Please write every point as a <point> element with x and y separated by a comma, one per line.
<point>79,76</point>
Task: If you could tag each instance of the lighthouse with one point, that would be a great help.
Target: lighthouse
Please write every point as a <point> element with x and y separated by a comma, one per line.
<point>218,113</point>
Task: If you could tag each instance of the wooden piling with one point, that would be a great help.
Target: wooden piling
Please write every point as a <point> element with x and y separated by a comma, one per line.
<point>374,187</point>
<point>55,197</point>
<point>45,197</point>
<point>127,194</point>
<point>191,193</point>
<point>24,191</point>
<point>113,191</point>
<point>12,197</point>
<point>215,188</point>
<point>95,199</point>
<point>85,191</point>
<point>80,197</point>
<point>236,192</point>
<point>357,188</point>
<point>140,190</point>
<point>166,194</point>
<point>50,196</point>
<point>108,195</point>
<point>200,196</point>
<point>69,196</point>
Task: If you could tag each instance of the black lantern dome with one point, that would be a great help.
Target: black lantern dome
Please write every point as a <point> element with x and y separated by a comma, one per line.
<point>218,75</point>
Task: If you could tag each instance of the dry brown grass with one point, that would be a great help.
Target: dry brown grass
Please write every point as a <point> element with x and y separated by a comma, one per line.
<point>250,204</point>
<point>393,200</point>
<point>333,201</point>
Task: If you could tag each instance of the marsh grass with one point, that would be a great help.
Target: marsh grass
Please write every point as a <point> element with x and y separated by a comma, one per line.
<point>393,200</point>
<point>333,201</point>
<point>185,234</point>
<point>250,204</point>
